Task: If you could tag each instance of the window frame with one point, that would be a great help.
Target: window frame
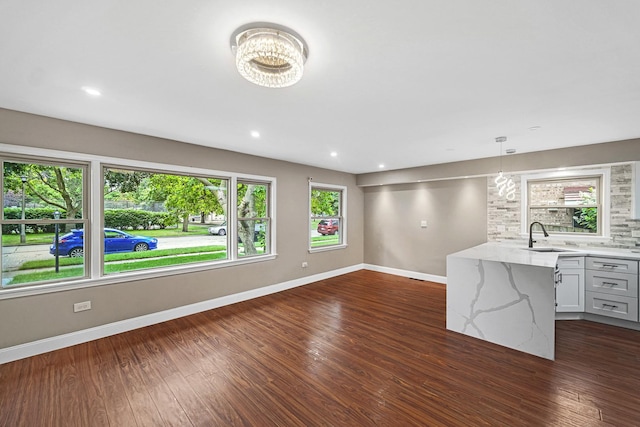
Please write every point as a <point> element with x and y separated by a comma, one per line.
<point>604,176</point>
<point>84,220</point>
<point>268,219</point>
<point>342,216</point>
<point>93,199</point>
<point>191,174</point>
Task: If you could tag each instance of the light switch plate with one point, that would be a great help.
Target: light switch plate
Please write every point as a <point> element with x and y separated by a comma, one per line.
<point>423,223</point>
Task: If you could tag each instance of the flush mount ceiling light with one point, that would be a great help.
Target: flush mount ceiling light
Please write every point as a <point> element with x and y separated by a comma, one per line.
<point>269,55</point>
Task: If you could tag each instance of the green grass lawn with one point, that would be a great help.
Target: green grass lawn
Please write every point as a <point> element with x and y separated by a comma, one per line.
<point>325,240</point>
<point>117,264</point>
<point>125,256</point>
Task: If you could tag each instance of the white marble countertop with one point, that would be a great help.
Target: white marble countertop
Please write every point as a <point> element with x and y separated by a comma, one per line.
<point>520,254</point>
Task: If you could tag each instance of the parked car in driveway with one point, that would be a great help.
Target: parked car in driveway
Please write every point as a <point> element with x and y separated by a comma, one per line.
<point>72,244</point>
<point>219,230</point>
<point>328,226</point>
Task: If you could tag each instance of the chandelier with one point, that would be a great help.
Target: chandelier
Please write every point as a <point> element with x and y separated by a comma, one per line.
<point>505,185</point>
<point>269,55</point>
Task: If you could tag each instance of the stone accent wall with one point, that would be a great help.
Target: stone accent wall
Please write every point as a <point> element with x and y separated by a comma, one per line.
<point>503,216</point>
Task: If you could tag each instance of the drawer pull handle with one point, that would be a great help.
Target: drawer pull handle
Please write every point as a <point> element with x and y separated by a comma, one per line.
<point>609,305</point>
<point>610,266</point>
<point>610,284</point>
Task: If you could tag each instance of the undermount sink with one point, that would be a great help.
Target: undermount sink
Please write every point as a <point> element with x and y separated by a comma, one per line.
<point>549,250</point>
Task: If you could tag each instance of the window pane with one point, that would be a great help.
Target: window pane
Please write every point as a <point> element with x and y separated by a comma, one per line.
<point>37,190</point>
<point>252,237</point>
<point>36,260</point>
<point>566,220</point>
<point>325,232</point>
<point>564,192</point>
<point>253,219</point>
<point>252,200</point>
<point>157,220</point>
<point>325,202</point>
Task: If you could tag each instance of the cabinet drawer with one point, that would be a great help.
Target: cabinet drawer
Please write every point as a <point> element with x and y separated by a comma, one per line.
<point>612,264</point>
<point>610,282</point>
<point>570,262</point>
<point>612,305</point>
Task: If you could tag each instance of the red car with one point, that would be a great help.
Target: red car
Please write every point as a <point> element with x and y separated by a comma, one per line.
<point>328,226</point>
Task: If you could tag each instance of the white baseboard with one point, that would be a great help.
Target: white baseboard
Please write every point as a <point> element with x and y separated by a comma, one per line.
<point>407,273</point>
<point>22,351</point>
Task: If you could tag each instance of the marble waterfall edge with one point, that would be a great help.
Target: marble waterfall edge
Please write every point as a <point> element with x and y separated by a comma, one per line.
<point>512,305</point>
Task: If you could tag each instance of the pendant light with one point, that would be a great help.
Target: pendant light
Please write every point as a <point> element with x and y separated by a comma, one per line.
<point>506,187</point>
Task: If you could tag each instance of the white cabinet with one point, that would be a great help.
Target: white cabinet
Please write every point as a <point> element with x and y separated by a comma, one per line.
<point>612,287</point>
<point>570,284</point>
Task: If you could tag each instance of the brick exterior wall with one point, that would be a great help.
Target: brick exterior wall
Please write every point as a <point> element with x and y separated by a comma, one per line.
<point>503,216</point>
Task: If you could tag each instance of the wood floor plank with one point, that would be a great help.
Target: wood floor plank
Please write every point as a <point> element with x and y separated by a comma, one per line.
<point>144,409</point>
<point>359,349</point>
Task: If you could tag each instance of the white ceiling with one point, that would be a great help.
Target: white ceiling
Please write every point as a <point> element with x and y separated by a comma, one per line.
<point>404,83</point>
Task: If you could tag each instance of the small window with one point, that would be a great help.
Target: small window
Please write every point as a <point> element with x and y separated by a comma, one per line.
<point>327,223</point>
<point>253,219</point>
<point>567,205</point>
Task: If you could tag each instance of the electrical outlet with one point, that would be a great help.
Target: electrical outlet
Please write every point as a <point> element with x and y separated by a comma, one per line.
<point>81,306</point>
<point>423,223</point>
<point>305,264</point>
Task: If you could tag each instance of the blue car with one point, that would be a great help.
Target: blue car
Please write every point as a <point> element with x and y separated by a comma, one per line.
<point>72,244</point>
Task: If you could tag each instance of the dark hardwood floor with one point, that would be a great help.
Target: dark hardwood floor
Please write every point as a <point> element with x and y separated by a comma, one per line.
<point>361,349</point>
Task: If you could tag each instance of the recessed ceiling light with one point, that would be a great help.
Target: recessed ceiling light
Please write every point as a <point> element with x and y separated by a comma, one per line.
<point>91,91</point>
<point>532,128</point>
<point>255,134</point>
<point>334,154</point>
<point>381,166</point>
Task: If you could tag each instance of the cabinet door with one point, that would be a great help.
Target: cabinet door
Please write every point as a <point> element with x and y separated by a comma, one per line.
<point>570,290</point>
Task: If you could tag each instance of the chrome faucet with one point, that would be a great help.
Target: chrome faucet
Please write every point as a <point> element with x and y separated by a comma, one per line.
<point>531,241</point>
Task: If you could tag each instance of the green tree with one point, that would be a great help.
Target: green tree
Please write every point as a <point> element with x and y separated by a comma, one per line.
<point>60,187</point>
<point>325,202</point>
<point>587,217</point>
<point>252,203</point>
<point>182,195</point>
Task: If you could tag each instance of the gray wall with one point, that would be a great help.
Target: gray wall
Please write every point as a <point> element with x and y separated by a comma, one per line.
<point>458,211</point>
<point>30,318</point>
<point>456,215</point>
<point>391,206</point>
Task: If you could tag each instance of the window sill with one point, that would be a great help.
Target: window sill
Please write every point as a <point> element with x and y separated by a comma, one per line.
<point>29,290</point>
<point>567,237</point>
<point>327,248</point>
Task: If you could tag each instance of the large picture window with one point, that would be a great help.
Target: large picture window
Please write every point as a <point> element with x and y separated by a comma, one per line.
<point>327,216</point>
<point>73,220</point>
<point>154,219</point>
<point>567,204</point>
<point>42,201</point>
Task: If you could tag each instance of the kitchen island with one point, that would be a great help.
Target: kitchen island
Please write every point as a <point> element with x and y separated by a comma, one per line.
<point>504,295</point>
